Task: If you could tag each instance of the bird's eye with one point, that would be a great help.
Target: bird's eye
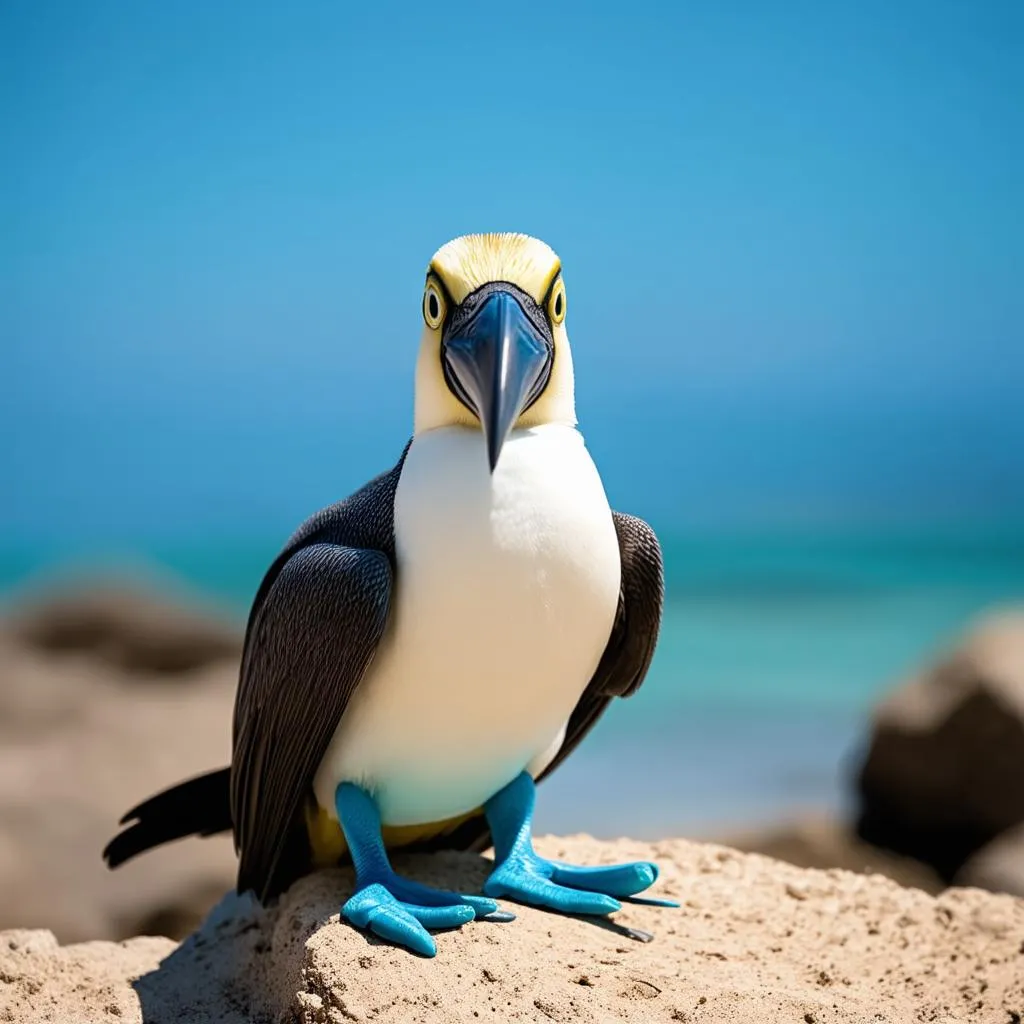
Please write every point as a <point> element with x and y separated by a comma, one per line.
<point>556,302</point>
<point>433,306</point>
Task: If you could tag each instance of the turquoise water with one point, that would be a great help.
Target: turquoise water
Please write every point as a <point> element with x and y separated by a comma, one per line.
<point>772,651</point>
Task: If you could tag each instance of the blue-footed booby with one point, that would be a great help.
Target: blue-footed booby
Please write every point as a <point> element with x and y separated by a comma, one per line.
<point>423,652</point>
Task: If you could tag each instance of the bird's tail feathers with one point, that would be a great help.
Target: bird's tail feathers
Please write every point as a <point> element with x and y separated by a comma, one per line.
<point>199,806</point>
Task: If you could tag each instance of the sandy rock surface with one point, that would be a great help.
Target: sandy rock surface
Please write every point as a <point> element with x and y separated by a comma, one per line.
<point>755,940</point>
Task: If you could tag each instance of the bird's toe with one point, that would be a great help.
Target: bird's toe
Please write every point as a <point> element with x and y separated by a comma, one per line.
<point>422,895</point>
<point>375,909</point>
<point>401,912</point>
<point>529,879</point>
<point>612,880</point>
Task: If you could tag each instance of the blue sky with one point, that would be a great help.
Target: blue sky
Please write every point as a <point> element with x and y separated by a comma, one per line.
<point>792,238</point>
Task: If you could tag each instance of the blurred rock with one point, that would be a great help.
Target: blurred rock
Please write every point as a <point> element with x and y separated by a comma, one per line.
<point>34,697</point>
<point>999,866</point>
<point>127,628</point>
<point>78,748</point>
<point>944,772</point>
<point>825,843</point>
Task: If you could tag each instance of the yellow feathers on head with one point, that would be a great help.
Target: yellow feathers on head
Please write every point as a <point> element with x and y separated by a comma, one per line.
<point>456,271</point>
<point>466,263</point>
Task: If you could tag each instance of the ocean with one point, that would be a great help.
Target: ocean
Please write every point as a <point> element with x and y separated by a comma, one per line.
<point>773,649</point>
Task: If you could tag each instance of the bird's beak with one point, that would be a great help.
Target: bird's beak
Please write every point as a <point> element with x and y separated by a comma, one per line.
<point>498,359</point>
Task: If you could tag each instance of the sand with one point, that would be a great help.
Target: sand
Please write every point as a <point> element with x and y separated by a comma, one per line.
<point>755,940</point>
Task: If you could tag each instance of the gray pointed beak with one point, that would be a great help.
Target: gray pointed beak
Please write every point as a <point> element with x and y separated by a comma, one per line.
<point>498,360</point>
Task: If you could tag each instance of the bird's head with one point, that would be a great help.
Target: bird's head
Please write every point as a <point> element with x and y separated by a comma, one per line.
<point>494,354</point>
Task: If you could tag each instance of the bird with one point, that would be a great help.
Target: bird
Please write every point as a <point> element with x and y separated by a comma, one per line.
<point>422,653</point>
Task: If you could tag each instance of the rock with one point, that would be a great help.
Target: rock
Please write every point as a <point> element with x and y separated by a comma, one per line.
<point>944,772</point>
<point>130,629</point>
<point>78,748</point>
<point>41,981</point>
<point>754,940</point>
<point>825,843</point>
<point>999,866</point>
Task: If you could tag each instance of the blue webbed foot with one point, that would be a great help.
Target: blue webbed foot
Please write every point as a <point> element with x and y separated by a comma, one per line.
<point>533,879</point>
<point>390,906</point>
<point>522,874</point>
<point>376,907</point>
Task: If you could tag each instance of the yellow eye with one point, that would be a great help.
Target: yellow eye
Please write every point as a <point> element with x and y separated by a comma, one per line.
<point>556,302</point>
<point>434,307</point>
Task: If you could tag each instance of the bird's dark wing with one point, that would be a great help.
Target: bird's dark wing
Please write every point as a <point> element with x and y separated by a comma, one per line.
<point>316,632</point>
<point>634,635</point>
<point>340,551</point>
<point>623,665</point>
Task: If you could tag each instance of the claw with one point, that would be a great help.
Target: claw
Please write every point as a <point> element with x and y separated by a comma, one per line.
<point>500,916</point>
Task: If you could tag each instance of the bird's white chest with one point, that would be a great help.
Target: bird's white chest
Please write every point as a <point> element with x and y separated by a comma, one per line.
<point>506,592</point>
